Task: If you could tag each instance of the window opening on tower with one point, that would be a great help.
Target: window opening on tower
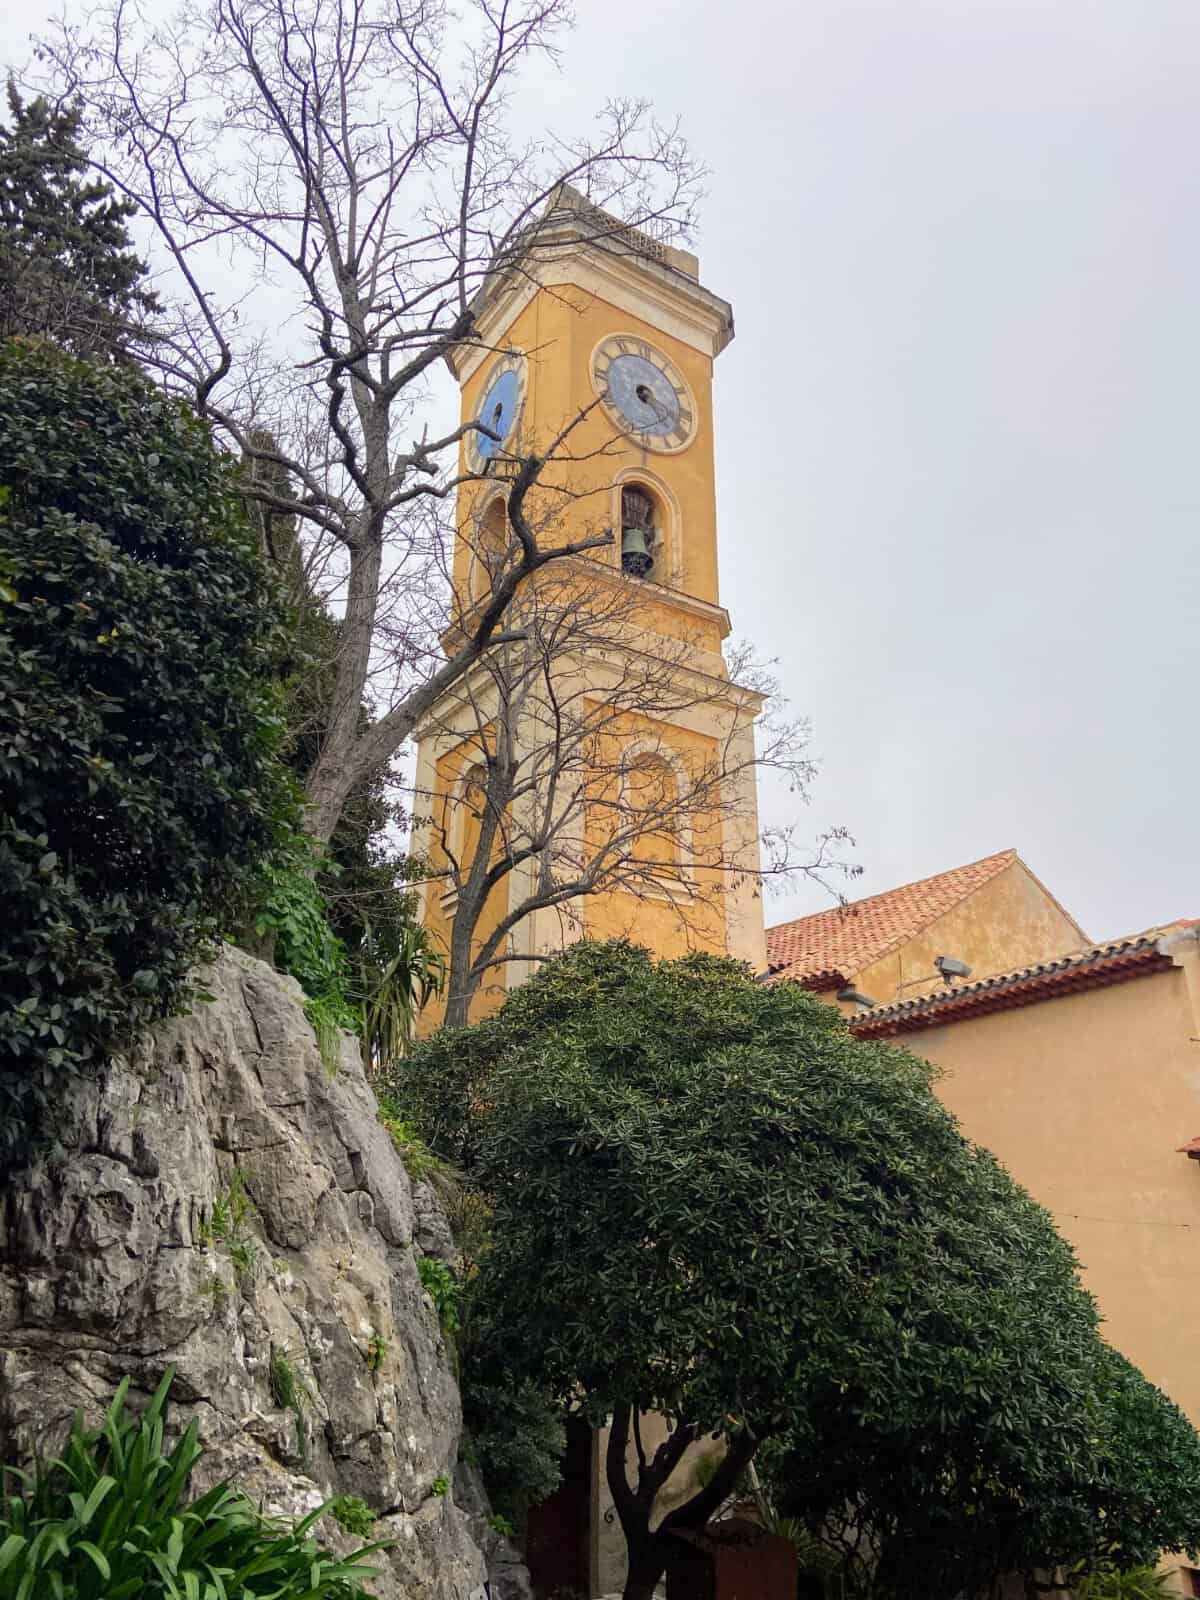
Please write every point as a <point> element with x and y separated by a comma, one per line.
<point>638,534</point>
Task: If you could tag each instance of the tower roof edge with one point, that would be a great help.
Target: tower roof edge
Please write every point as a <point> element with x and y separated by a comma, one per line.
<point>572,228</point>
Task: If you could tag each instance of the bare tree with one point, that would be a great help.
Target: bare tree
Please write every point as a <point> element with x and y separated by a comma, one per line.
<point>344,170</point>
<point>587,756</point>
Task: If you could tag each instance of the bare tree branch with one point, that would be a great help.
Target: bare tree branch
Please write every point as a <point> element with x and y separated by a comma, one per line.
<point>330,188</point>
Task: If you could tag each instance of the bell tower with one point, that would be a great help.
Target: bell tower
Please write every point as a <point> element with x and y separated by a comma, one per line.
<point>596,350</point>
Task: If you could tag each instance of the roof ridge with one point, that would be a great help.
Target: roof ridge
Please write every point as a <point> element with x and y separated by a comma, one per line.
<point>999,856</point>
<point>849,937</point>
<point>1147,943</point>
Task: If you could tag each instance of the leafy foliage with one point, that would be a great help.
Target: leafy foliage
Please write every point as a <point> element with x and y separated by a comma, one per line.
<point>138,782</point>
<point>518,1437</point>
<point>418,1158</point>
<point>111,1520</point>
<point>289,1392</point>
<point>353,1514</point>
<point>376,992</point>
<point>1131,1583</point>
<point>443,1288</point>
<point>398,980</point>
<point>227,1225</point>
<point>712,1202</point>
<point>67,270</point>
<point>291,912</point>
<point>921,1522</point>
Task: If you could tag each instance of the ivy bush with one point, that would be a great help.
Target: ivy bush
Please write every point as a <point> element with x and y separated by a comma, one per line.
<point>112,1520</point>
<point>138,782</point>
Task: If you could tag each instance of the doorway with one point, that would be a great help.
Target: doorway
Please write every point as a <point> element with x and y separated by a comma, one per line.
<point>558,1532</point>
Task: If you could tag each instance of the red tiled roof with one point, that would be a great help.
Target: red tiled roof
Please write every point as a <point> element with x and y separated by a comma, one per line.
<point>1093,968</point>
<point>828,949</point>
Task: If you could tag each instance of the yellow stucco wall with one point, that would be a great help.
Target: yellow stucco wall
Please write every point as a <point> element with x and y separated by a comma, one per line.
<point>451,822</point>
<point>558,330</point>
<point>677,921</point>
<point>1085,1100</point>
<point>1011,921</point>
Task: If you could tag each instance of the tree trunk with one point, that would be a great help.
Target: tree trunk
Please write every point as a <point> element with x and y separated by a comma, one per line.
<point>460,987</point>
<point>647,1563</point>
<point>341,762</point>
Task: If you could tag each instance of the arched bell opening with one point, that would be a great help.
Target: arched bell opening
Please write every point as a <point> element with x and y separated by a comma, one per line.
<point>641,530</point>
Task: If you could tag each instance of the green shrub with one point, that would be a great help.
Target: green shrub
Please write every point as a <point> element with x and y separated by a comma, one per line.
<point>139,788</point>
<point>291,911</point>
<point>517,1439</point>
<point>443,1288</point>
<point>399,973</point>
<point>440,1487</point>
<point>289,1392</point>
<point>353,1514</point>
<point>227,1225</point>
<point>418,1158</point>
<point>111,1520</point>
<point>1113,1583</point>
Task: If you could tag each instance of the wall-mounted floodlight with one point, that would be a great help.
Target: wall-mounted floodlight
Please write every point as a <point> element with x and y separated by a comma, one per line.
<point>951,967</point>
<point>857,998</point>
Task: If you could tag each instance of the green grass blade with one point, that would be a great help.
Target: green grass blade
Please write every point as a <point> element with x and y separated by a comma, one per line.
<point>9,1550</point>
<point>101,1561</point>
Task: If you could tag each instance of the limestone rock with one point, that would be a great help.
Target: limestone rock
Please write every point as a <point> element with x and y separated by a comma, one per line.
<point>109,1264</point>
<point>508,1576</point>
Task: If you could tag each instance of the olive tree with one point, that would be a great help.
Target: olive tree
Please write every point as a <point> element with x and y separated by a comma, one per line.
<point>712,1202</point>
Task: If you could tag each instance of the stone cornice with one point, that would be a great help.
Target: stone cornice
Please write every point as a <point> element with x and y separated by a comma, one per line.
<point>477,688</point>
<point>653,290</point>
<point>656,593</point>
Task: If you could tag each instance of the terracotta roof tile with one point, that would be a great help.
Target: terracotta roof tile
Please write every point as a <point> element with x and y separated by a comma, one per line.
<point>1096,967</point>
<point>829,948</point>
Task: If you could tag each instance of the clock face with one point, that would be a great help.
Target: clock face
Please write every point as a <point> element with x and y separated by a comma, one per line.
<point>644,392</point>
<point>498,410</point>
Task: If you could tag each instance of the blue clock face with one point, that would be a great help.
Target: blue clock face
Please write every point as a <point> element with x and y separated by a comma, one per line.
<point>644,392</point>
<point>644,395</point>
<point>498,411</point>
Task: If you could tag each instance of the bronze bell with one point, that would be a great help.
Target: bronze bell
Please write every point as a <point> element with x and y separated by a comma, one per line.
<point>636,558</point>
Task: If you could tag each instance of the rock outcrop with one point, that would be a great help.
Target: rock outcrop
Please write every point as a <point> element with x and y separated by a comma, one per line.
<point>128,1249</point>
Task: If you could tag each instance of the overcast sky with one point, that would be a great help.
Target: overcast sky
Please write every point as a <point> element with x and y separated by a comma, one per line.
<point>959,494</point>
<point>958,477</point>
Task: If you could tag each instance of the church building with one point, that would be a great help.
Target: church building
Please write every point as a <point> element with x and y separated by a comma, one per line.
<point>597,350</point>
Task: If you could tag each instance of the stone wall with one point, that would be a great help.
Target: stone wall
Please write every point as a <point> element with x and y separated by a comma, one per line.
<point>108,1267</point>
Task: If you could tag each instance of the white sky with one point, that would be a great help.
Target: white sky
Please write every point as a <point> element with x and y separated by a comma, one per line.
<point>958,491</point>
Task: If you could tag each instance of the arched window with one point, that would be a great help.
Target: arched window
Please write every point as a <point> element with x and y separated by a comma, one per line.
<point>652,800</point>
<point>490,546</point>
<point>641,530</point>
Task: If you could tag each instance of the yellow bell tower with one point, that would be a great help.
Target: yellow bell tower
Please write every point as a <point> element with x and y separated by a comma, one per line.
<point>597,350</point>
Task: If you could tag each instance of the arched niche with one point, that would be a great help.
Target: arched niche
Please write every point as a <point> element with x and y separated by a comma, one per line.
<point>655,781</point>
<point>637,483</point>
<point>488,545</point>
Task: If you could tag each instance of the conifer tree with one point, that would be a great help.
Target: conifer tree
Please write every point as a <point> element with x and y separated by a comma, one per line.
<point>67,269</point>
